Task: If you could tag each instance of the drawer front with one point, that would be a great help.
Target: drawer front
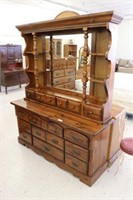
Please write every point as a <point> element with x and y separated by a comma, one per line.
<point>62,103</point>
<point>76,138</point>
<point>76,164</point>
<point>71,63</point>
<point>69,72</point>
<point>69,79</point>
<point>25,136</point>
<point>35,120</point>
<point>45,125</point>
<point>46,99</point>
<point>55,141</point>
<point>24,126</point>
<point>49,100</point>
<point>63,80</point>
<point>70,85</point>
<point>38,132</point>
<point>59,64</point>
<point>76,151</point>
<point>30,94</point>
<point>74,106</point>
<point>92,112</point>
<point>55,129</point>
<point>22,114</point>
<point>58,73</point>
<point>49,149</point>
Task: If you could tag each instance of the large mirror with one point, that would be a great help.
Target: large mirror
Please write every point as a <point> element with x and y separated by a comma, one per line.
<point>64,58</point>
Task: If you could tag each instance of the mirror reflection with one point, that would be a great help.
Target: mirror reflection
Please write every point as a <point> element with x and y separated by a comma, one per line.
<point>64,58</point>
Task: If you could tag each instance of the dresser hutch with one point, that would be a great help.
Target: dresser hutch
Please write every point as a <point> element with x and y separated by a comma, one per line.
<point>78,131</point>
<point>11,69</point>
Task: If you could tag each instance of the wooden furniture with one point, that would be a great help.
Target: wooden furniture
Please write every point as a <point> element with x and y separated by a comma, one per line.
<point>11,56</point>
<point>64,72</point>
<point>13,77</point>
<point>70,50</point>
<point>11,70</point>
<point>77,131</point>
<point>56,46</point>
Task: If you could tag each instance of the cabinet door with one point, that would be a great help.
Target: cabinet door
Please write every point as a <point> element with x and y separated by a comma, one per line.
<point>18,51</point>
<point>11,53</point>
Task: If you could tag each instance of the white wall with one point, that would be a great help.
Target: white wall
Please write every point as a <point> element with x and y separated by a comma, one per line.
<point>15,14</point>
<point>125,39</point>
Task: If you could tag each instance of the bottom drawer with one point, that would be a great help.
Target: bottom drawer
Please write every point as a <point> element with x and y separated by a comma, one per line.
<point>49,149</point>
<point>76,164</point>
<point>25,136</point>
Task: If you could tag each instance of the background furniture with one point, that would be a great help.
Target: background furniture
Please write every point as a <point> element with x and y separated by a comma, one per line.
<point>126,145</point>
<point>124,65</point>
<point>64,72</point>
<point>79,132</point>
<point>70,50</point>
<point>11,70</point>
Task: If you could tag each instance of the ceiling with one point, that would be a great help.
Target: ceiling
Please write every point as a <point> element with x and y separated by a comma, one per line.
<point>123,7</point>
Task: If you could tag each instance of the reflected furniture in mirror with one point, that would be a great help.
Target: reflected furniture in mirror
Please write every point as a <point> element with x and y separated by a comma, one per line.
<point>80,131</point>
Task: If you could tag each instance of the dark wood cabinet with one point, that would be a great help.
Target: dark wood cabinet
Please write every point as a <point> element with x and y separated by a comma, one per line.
<point>79,132</point>
<point>11,70</point>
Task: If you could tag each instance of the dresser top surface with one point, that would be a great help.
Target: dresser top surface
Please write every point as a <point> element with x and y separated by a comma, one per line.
<point>80,124</point>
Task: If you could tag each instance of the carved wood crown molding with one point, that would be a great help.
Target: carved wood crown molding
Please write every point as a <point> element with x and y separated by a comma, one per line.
<point>71,23</point>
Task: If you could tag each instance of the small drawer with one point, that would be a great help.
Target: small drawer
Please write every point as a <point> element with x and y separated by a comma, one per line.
<point>62,103</point>
<point>22,114</point>
<point>69,79</point>
<point>39,97</point>
<point>30,94</point>
<point>93,112</point>
<point>49,100</point>
<point>70,85</point>
<point>25,136</point>
<point>55,129</point>
<point>36,120</point>
<point>58,73</point>
<point>49,149</point>
<point>74,106</point>
<point>71,63</point>
<point>38,132</point>
<point>76,164</point>
<point>45,125</point>
<point>55,141</point>
<point>24,126</point>
<point>69,72</point>
<point>76,138</point>
<point>76,151</point>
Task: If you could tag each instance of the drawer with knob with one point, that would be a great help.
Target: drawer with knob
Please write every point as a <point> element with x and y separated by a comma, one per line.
<point>55,129</point>
<point>53,151</point>
<point>25,136</point>
<point>76,151</point>
<point>76,164</point>
<point>22,114</point>
<point>76,138</point>
<point>55,141</point>
<point>30,94</point>
<point>38,132</point>
<point>74,106</point>
<point>58,73</point>
<point>93,112</point>
<point>24,126</point>
<point>62,103</point>
<point>35,120</point>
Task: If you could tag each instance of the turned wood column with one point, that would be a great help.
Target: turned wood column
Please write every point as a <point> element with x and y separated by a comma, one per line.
<point>35,60</point>
<point>85,55</point>
<point>51,58</point>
